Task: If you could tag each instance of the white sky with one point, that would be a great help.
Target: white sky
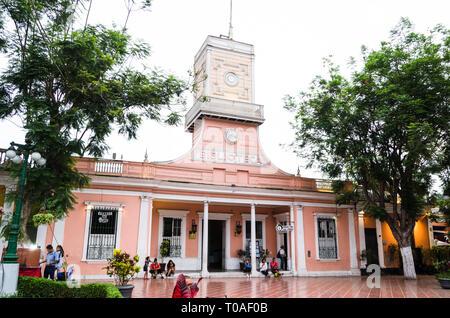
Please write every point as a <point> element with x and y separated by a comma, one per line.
<point>290,38</point>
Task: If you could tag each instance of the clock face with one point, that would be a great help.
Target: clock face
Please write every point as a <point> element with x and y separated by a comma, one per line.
<point>231,79</point>
<point>231,136</point>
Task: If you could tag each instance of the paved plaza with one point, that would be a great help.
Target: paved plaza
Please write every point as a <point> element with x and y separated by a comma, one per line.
<point>298,287</point>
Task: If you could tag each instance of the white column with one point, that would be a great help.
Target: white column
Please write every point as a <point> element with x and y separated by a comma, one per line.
<point>293,244</point>
<point>143,230</point>
<point>9,210</point>
<point>352,239</point>
<point>205,240</point>
<point>253,238</point>
<point>150,209</point>
<point>362,237</point>
<point>380,244</point>
<point>58,237</point>
<point>227,243</point>
<point>41,235</point>
<point>300,242</point>
<point>430,232</point>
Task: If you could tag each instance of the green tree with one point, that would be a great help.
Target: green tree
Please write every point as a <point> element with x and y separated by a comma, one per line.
<point>386,129</point>
<point>71,88</point>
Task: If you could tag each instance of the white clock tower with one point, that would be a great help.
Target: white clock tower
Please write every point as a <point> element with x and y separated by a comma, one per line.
<point>224,74</point>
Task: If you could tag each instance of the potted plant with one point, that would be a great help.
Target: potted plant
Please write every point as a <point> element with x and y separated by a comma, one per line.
<point>241,254</point>
<point>123,268</point>
<point>392,253</point>
<point>441,260</point>
<point>164,251</point>
<point>43,218</point>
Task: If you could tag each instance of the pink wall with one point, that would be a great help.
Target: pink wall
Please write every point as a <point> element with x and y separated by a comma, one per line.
<point>343,264</point>
<point>74,229</point>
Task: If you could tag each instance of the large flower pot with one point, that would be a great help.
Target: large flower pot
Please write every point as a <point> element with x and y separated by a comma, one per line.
<point>126,290</point>
<point>445,282</point>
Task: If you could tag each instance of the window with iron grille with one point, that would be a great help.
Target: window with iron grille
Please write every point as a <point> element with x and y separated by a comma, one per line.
<point>172,233</point>
<point>327,238</point>
<point>259,233</point>
<point>102,233</point>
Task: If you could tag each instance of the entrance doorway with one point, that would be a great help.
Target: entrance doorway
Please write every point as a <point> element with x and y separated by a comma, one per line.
<point>371,246</point>
<point>216,245</point>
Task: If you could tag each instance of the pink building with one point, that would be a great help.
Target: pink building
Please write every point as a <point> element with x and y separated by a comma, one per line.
<point>224,195</point>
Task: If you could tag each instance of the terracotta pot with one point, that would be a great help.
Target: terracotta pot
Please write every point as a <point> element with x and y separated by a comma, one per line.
<point>126,290</point>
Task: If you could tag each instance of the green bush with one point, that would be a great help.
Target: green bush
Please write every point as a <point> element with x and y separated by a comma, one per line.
<point>34,287</point>
<point>440,256</point>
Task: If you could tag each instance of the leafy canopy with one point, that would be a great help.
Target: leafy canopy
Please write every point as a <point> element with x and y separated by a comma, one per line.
<point>386,128</point>
<point>71,87</point>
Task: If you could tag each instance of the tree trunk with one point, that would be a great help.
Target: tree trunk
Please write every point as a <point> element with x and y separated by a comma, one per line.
<point>409,270</point>
<point>404,239</point>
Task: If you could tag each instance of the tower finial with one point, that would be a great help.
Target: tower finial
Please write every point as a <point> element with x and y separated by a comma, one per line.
<point>230,31</point>
<point>146,156</point>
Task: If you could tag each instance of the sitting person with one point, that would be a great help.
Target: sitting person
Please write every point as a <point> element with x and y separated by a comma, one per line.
<point>263,268</point>
<point>170,268</point>
<point>185,288</point>
<point>248,268</point>
<point>155,269</point>
<point>274,267</point>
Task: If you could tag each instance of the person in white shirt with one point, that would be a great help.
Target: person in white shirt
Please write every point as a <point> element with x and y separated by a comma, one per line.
<point>283,258</point>
<point>263,268</point>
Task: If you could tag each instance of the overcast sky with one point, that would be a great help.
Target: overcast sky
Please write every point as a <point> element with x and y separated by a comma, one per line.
<point>290,38</point>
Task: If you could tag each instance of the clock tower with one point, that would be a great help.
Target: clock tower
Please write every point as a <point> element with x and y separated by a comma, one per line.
<point>225,86</point>
<point>224,118</point>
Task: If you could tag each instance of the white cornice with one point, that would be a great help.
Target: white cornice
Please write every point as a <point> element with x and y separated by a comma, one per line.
<point>209,188</point>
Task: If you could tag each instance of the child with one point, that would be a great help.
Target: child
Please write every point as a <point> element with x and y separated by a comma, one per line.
<point>60,275</point>
<point>147,261</point>
<point>155,269</point>
<point>170,268</point>
<point>263,268</point>
<point>248,268</point>
<point>274,267</point>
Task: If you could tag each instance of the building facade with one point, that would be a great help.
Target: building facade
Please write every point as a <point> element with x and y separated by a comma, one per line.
<point>223,196</point>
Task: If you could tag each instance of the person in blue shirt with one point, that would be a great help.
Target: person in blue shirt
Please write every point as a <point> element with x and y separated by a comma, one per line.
<point>50,263</point>
<point>60,275</point>
<point>248,268</point>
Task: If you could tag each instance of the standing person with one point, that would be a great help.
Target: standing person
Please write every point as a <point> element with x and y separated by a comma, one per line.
<point>155,269</point>
<point>248,268</point>
<point>274,267</point>
<point>146,263</point>
<point>170,268</point>
<point>263,267</point>
<point>50,263</point>
<point>283,258</point>
<point>60,275</point>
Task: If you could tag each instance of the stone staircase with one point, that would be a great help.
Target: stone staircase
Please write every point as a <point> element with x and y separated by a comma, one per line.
<point>229,274</point>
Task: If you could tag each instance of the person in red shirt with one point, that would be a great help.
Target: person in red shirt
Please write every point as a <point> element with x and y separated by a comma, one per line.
<point>274,267</point>
<point>155,269</point>
<point>185,288</point>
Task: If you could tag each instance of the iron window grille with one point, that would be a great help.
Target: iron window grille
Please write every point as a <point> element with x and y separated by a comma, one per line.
<point>102,233</point>
<point>172,234</point>
<point>327,238</point>
<point>259,234</point>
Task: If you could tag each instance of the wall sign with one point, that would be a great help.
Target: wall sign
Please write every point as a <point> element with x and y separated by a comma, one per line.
<point>215,155</point>
<point>284,228</point>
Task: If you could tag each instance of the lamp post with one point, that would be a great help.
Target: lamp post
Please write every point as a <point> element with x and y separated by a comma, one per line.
<point>10,264</point>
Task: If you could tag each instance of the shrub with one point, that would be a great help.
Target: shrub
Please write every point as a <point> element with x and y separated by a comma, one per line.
<point>440,256</point>
<point>35,287</point>
<point>122,267</point>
